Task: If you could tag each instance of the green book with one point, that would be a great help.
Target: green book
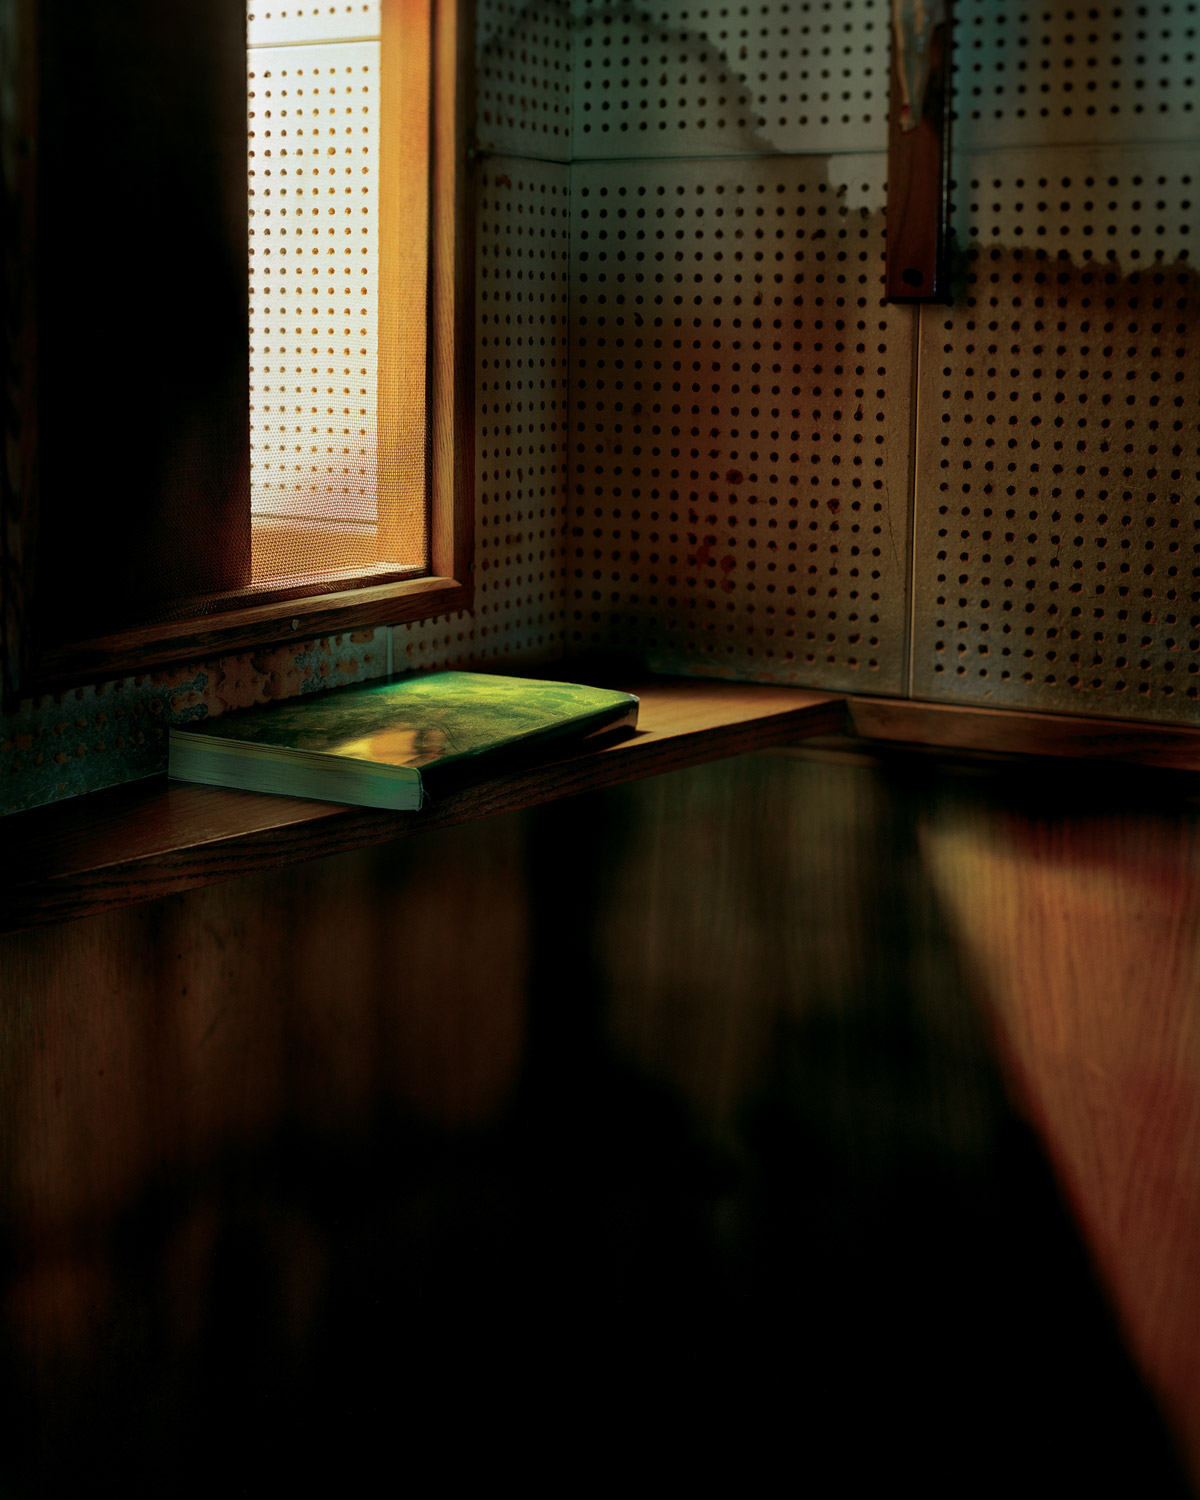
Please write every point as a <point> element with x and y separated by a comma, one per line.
<point>382,744</point>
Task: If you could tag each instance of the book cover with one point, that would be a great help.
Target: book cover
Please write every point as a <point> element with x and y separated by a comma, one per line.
<point>379,745</point>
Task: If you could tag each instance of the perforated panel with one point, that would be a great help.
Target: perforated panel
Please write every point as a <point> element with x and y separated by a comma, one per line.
<point>66,743</point>
<point>688,79</point>
<point>521,229</point>
<point>271,23</point>
<point>523,78</point>
<point>1074,73</point>
<point>740,420</point>
<point>314,285</point>
<point>1057,551</point>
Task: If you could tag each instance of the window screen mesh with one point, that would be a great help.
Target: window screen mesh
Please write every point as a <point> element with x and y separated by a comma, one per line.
<point>337,361</point>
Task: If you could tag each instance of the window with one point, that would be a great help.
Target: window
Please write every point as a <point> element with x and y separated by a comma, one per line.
<point>339,221</point>
<point>240,395</point>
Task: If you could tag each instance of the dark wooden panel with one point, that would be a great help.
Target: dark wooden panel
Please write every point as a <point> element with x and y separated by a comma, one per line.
<point>859,978</point>
<point>156,1062</point>
<point>919,180</point>
<point>18,288</point>
<point>679,1117</point>
<point>142,310</point>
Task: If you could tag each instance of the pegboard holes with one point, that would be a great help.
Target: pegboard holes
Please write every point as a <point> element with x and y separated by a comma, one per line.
<point>693,81</point>
<point>729,381</point>
<point>314,279</point>
<point>1064,566</point>
<point>523,77</point>
<point>520,353</point>
<point>1113,71</point>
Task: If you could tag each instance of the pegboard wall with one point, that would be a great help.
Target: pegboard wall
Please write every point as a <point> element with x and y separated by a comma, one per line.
<point>1074,284</point>
<point>521,239</point>
<point>523,78</point>
<point>314,280</point>
<point>739,471</point>
<point>272,23</point>
<point>522,235</point>
<point>737,495</point>
<point>686,78</point>
<point>1055,74</point>
<point>689,79</point>
<point>1057,559</point>
<point>107,733</point>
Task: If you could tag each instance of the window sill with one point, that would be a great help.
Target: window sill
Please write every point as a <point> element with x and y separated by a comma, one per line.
<point>156,838</point>
<point>248,628</point>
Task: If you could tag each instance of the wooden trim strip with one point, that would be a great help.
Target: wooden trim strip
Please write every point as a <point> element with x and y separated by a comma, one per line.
<point>156,837</point>
<point>918,205</point>
<point>1003,731</point>
<point>404,276</point>
<point>452,299</point>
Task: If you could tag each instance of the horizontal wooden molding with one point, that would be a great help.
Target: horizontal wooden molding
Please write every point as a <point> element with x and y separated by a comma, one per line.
<point>135,652</point>
<point>1000,731</point>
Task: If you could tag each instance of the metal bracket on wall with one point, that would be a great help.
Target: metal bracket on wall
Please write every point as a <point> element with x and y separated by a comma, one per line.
<point>919,151</point>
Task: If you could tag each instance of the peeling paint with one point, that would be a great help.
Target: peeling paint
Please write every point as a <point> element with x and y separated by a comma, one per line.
<point>860,178</point>
<point>71,734</point>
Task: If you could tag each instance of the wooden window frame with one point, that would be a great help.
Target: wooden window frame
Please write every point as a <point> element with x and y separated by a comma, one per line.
<point>32,667</point>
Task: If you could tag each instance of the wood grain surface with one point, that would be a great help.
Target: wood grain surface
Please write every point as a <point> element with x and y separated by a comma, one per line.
<point>999,731</point>
<point>918,181</point>
<point>155,837</point>
<point>891,1071</point>
<point>1081,931</point>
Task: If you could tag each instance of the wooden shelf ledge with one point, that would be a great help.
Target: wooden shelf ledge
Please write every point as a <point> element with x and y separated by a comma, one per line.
<point>1008,732</point>
<point>157,837</point>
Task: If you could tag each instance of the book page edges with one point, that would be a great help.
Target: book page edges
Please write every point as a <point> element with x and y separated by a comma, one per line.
<point>317,779</point>
<point>316,760</point>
